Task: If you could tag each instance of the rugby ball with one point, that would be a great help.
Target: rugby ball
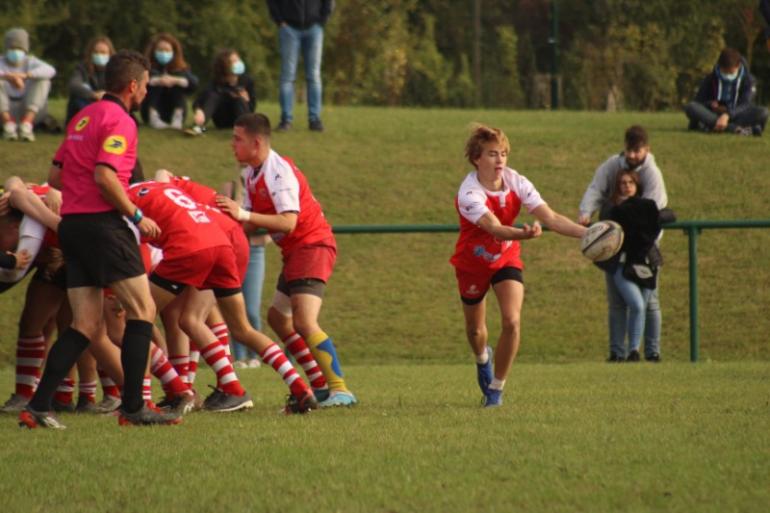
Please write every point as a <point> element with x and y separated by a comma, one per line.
<point>602,241</point>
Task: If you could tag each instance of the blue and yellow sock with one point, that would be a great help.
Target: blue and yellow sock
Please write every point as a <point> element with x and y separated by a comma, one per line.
<point>325,354</point>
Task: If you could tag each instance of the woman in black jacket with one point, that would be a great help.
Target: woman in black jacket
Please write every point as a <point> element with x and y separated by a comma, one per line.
<point>86,84</point>
<point>230,94</point>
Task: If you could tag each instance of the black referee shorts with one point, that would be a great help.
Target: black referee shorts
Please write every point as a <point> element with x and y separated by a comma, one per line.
<point>99,249</point>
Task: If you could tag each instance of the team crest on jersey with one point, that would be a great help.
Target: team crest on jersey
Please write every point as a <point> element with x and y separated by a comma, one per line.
<point>143,191</point>
<point>115,144</point>
<point>82,123</point>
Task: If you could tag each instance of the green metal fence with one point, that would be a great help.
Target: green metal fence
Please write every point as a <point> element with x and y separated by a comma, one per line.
<point>691,228</point>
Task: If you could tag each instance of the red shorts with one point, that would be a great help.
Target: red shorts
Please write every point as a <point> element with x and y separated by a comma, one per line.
<point>474,286</point>
<point>311,261</point>
<point>241,249</point>
<point>212,268</point>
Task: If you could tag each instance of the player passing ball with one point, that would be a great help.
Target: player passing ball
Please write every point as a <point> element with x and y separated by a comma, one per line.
<point>488,252</point>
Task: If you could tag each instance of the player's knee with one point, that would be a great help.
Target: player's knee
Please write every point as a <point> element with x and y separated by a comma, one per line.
<point>306,327</point>
<point>474,331</point>
<point>88,327</point>
<point>510,324</point>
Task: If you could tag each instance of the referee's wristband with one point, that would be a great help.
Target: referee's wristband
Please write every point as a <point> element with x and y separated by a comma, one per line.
<point>137,217</point>
<point>243,214</point>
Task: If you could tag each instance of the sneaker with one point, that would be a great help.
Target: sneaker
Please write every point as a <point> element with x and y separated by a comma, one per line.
<point>9,131</point>
<point>14,404</point>
<point>283,126</point>
<point>757,130</point>
<point>616,358</point>
<point>85,405</point>
<point>303,404</point>
<point>240,364</point>
<point>633,356</point>
<point>32,419</point>
<point>212,398</point>
<point>108,405</point>
<point>484,372</point>
<point>26,132</point>
<point>61,407</point>
<point>339,398</point>
<point>743,130</point>
<point>493,398</point>
<point>180,404</point>
<point>197,400</point>
<point>321,394</point>
<point>195,131</point>
<point>254,363</point>
<point>315,125</point>
<point>654,357</point>
<point>155,121</point>
<point>147,416</point>
<point>228,402</point>
<point>177,119</point>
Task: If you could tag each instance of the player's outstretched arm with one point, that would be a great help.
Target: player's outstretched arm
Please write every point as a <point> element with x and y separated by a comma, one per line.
<point>491,224</point>
<point>557,222</point>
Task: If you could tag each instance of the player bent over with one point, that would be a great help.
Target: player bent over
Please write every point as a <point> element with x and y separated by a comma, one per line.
<point>487,252</point>
<point>278,198</point>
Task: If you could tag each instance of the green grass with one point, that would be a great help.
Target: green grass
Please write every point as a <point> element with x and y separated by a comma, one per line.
<point>575,437</point>
<point>393,297</point>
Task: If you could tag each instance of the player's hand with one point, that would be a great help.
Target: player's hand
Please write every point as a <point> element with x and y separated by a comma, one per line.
<point>53,200</point>
<point>23,258</point>
<point>228,206</point>
<point>721,123</point>
<point>16,80</point>
<point>148,228</point>
<point>51,260</point>
<point>532,232</point>
<point>584,219</point>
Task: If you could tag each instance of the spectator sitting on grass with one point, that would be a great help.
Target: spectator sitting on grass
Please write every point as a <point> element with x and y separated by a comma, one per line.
<point>724,99</point>
<point>87,80</point>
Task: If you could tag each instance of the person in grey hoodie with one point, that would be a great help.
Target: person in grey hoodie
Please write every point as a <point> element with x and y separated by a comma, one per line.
<point>597,198</point>
<point>25,82</point>
<point>724,100</point>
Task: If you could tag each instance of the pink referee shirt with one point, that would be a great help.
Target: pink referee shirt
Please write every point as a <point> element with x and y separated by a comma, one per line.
<point>102,133</point>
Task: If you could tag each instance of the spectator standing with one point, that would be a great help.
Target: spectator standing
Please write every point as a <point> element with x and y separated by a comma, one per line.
<point>87,81</point>
<point>230,94</point>
<point>170,82</point>
<point>724,100</point>
<point>597,198</point>
<point>300,28</point>
<point>25,82</point>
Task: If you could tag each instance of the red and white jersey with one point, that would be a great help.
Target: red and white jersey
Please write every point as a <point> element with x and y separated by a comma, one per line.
<point>51,237</point>
<point>477,249</point>
<point>185,225</point>
<point>278,187</point>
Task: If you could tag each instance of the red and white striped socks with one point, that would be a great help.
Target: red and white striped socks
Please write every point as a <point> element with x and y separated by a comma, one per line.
<point>30,352</point>
<point>64,391</point>
<point>87,389</point>
<point>109,388</point>
<point>274,357</point>
<point>162,369</point>
<point>192,370</point>
<point>299,350</point>
<point>220,331</point>
<point>216,357</point>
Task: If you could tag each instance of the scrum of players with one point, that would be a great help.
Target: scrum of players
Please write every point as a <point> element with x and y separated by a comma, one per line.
<point>199,303</point>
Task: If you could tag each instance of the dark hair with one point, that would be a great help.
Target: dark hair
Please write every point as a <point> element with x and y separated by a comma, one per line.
<point>615,199</point>
<point>729,58</point>
<point>90,49</point>
<point>254,123</point>
<point>222,68</point>
<point>177,62</point>
<point>123,67</point>
<point>636,137</point>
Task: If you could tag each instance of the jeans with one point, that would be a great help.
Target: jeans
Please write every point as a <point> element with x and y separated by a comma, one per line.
<point>752,116</point>
<point>291,41</point>
<point>620,319</point>
<point>252,294</point>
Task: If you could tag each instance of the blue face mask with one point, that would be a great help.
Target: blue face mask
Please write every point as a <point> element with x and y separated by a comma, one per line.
<point>238,67</point>
<point>730,76</point>
<point>15,55</point>
<point>100,59</point>
<point>163,58</point>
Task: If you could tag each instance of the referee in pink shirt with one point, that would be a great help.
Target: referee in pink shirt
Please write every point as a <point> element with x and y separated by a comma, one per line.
<point>92,168</point>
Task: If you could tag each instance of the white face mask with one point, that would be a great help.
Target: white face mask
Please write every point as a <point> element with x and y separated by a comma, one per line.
<point>731,76</point>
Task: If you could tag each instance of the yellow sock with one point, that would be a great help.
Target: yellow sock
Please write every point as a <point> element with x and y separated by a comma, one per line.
<point>325,354</point>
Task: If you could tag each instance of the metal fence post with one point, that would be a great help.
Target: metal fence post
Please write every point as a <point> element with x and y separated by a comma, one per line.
<point>692,238</point>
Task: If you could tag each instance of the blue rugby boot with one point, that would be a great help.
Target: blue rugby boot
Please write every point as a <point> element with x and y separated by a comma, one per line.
<point>484,372</point>
<point>493,398</point>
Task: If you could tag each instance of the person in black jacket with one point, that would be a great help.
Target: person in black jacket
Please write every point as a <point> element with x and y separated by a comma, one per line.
<point>724,100</point>
<point>634,270</point>
<point>230,94</point>
<point>170,82</point>
<point>300,25</point>
<point>87,80</point>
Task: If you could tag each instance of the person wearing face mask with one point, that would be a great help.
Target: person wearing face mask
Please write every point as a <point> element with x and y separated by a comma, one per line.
<point>230,94</point>
<point>25,82</point>
<point>598,198</point>
<point>87,80</point>
<point>170,82</point>
<point>724,102</point>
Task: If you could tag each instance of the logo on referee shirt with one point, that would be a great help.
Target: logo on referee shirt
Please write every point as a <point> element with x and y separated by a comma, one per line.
<point>115,144</point>
<point>82,124</point>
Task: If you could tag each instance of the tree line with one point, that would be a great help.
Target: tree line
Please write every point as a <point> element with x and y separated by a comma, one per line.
<point>612,54</point>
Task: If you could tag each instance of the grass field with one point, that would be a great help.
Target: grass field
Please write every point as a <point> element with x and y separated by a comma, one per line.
<point>574,437</point>
<point>575,434</point>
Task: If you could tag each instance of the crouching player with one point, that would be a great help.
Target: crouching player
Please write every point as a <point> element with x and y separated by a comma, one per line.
<point>488,251</point>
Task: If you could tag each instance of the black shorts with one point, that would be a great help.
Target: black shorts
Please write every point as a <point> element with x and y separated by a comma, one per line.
<point>99,249</point>
<point>502,274</point>
<point>312,286</point>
